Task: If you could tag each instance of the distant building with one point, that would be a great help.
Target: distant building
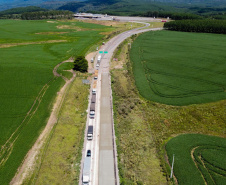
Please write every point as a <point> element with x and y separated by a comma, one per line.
<point>87,15</point>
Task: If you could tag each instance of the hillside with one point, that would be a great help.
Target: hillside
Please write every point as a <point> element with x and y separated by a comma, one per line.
<point>190,1</point>
<point>141,8</point>
<point>120,6</point>
<point>51,4</point>
<point>20,10</point>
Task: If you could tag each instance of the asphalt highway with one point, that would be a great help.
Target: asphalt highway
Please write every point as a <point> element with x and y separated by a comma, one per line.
<point>104,170</point>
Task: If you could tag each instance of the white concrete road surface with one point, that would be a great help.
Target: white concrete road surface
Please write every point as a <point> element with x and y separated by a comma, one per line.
<point>104,170</point>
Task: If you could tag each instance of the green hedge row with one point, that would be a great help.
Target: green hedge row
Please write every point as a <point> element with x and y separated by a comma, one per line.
<point>172,15</point>
<point>53,14</point>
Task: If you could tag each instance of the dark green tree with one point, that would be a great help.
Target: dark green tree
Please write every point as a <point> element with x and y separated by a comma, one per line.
<point>80,64</point>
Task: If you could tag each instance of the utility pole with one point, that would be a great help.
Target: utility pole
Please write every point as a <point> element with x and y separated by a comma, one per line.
<point>171,175</point>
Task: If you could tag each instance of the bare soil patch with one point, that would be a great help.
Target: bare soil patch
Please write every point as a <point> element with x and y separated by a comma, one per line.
<point>117,64</point>
<point>72,27</point>
<point>50,33</point>
<point>51,21</point>
<point>28,43</point>
<point>105,23</point>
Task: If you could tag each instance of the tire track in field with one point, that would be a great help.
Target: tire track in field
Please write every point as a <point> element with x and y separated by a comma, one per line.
<point>193,158</point>
<point>196,155</point>
<point>29,159</point>
<point>7,45</point>
<point>7,148</point>
<point>153,84</point>
<point>187,92</point>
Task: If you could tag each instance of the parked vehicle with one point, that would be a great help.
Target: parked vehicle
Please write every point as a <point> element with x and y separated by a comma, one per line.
<point>86,171</point>
<point>98,65</point>
<point>90,132</point>
<point>92,60</point>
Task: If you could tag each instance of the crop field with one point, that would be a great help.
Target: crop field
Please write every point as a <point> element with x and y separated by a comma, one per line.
<point>29,52</point>
<point>199,159</point>
<point>178,68</point>
<point>143,127</point>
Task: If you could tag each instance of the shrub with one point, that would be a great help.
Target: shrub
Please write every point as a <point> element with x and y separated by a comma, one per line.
<point>81,64</point>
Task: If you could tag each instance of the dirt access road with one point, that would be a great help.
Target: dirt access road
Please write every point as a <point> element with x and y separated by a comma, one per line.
<point>104,169</point>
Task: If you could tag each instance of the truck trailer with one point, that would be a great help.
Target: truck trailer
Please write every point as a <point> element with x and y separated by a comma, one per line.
<point>92,110</point>
<point>98,59</point>
<point>90,132</point>
<point>93,99</point>
<point>86,171</point>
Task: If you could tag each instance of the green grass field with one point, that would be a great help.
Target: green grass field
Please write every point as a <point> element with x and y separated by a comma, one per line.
<point>179,68</point>
<point>199,159</point>
<point>29,51</point>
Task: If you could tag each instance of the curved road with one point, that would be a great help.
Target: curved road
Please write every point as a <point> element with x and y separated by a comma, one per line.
<point>104,170</point>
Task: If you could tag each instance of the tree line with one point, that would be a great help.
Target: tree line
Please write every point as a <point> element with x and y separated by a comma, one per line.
<point>171,15</point>
<point>52,14</point>
<point>21,10</point>
<point>15,13</point>
<point>204,26</point>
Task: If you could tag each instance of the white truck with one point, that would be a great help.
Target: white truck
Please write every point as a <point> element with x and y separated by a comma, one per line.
<point>98,59</point>
<point>94,91</point>
<point>90,132</point>
<point>86,171</point>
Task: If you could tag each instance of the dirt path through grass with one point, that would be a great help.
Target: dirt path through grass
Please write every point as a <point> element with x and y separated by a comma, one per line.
<point>27,166</point>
